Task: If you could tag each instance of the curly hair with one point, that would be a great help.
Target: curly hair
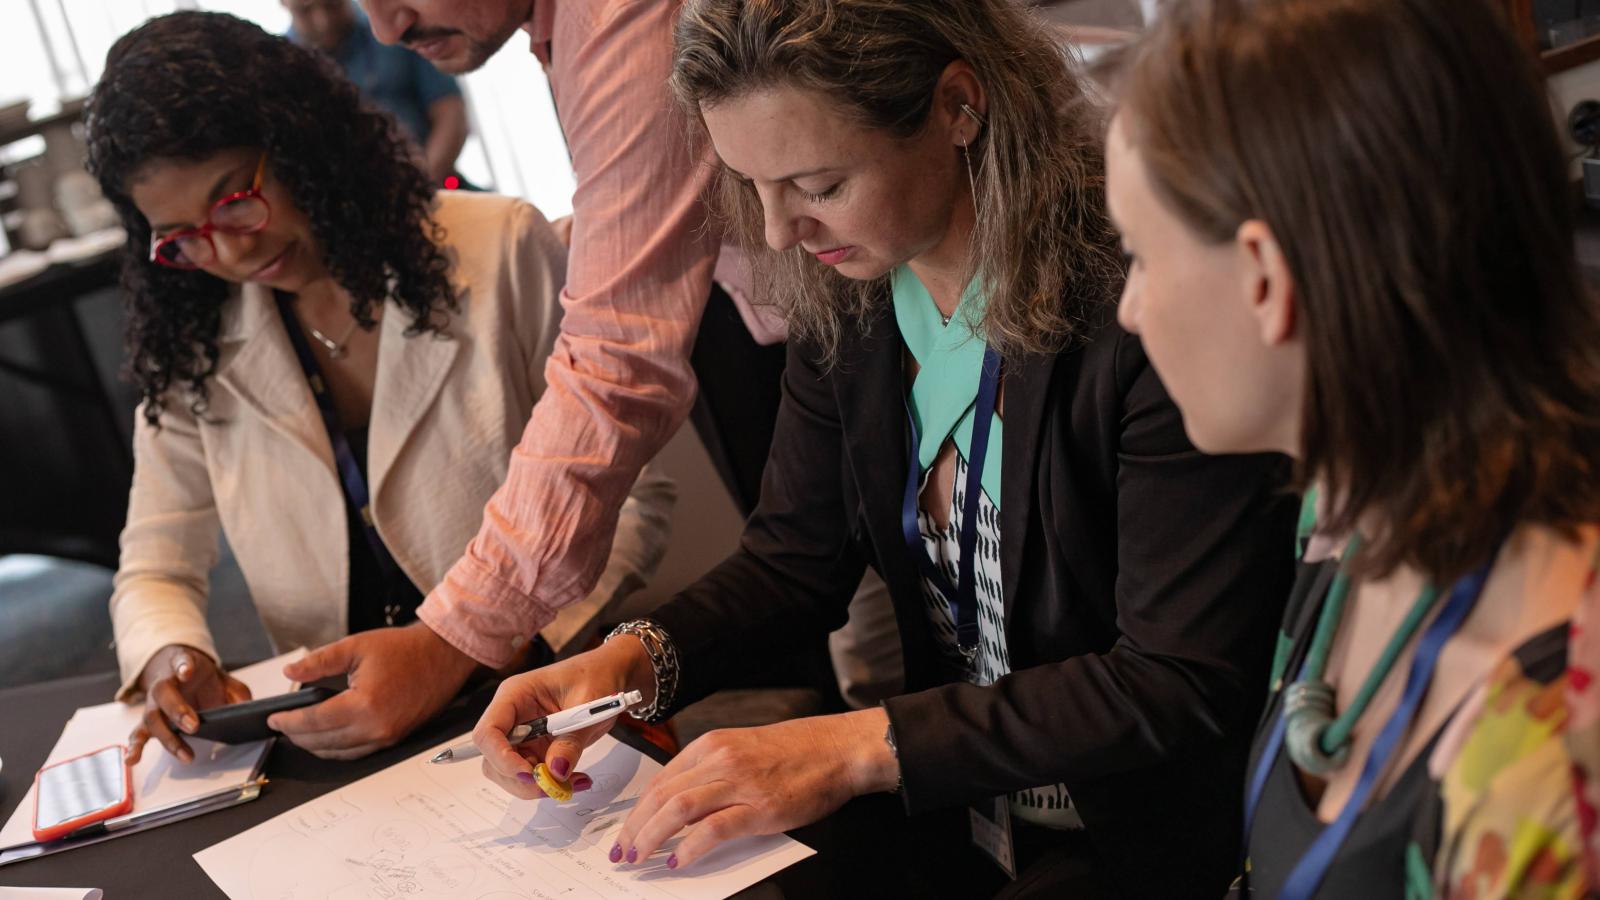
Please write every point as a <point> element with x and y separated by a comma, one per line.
<point>188,85</point>
<point>1050,259</point>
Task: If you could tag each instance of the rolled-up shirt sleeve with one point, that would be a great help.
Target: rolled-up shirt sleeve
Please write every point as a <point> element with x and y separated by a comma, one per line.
<point>619,382</point>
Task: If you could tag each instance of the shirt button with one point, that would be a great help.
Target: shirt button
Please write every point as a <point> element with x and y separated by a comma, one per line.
<point>517,642</point>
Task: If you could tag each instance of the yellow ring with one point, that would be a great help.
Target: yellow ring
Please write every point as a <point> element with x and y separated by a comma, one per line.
<point>558,790</point>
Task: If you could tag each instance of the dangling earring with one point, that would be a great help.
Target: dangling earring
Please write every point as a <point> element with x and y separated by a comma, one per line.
<point>972,179</point>
<point>966,153</point>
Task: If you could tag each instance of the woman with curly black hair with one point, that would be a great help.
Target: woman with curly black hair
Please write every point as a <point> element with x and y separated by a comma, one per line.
<point>335,364</point>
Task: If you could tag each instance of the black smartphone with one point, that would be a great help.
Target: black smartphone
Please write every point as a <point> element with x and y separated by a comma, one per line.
<point>241,723</point>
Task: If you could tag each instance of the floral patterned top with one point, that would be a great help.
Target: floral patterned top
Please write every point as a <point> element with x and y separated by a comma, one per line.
<point>1508,807</point>
<point>1582,730</point>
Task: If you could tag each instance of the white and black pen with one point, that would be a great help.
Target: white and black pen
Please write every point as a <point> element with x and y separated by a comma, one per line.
<point>563,722</point>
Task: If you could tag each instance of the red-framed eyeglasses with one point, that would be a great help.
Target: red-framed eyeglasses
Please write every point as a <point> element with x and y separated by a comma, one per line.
<point>246,212</point>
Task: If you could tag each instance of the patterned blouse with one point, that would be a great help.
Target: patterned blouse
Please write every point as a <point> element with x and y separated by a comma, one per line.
<point>1513,778</point>
<point>1049,806</point>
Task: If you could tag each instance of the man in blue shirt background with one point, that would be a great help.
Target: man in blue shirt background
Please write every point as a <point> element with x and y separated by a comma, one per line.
<point>426,102</point>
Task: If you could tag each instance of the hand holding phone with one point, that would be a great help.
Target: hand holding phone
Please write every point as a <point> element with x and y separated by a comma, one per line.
<point>242,723</point>
<point>81,791</point>
<point>178,682</point>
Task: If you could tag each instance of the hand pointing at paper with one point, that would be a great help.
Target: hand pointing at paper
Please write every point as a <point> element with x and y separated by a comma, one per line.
<point>728,784</point>
<point>740,782</point>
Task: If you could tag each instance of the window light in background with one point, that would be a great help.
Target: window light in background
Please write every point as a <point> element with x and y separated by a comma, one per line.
<point>516,145</point>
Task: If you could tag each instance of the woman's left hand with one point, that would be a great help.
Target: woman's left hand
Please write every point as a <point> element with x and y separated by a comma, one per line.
<point>751,781</point>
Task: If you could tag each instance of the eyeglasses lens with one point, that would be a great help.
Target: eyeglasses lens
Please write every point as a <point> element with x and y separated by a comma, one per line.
<point>242,214</point>
<point>185,252</point>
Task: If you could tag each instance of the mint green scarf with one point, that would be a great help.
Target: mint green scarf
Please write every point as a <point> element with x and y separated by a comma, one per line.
<point>950,358</point>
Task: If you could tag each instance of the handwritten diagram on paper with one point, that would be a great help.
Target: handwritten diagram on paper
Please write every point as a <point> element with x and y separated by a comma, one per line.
<point>417,830</point>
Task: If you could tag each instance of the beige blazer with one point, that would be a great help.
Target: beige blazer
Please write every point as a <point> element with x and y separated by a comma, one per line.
<point>446,413</point>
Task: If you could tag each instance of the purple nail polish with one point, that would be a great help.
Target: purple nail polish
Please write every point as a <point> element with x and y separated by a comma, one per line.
<point>582,782</point>
<point>633,854</point>
<point>616,853</point>
<point>527,778</point>
<point>672,861</point>
<point>561,766</point>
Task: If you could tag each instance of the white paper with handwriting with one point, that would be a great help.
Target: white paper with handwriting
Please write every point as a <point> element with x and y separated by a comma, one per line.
<point>417,830</point>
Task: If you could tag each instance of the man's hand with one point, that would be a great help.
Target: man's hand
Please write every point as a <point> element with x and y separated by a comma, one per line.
<point>399,677</point>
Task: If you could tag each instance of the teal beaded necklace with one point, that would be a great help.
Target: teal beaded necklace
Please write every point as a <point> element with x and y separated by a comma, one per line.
<point>1317,741</point>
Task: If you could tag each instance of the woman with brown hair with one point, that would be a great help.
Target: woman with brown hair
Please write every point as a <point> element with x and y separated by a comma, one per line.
<point>1085,601</point>
<point>1350,242</point>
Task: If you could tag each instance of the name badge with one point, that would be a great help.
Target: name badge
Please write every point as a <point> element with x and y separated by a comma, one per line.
<point>991,832</point>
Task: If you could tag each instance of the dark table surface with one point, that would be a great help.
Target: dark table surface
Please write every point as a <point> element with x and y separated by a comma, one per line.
<point>157,863</point>
<point>864,850</point>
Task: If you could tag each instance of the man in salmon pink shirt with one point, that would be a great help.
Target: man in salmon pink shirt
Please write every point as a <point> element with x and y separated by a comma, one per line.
<point>622,377</point>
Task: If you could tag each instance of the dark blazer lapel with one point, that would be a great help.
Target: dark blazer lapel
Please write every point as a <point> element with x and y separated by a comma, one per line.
<point>1027,388</point>
<point>869,385</point>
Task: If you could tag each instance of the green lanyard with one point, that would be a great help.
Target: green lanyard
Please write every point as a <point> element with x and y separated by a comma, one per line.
<point>1316,740</point>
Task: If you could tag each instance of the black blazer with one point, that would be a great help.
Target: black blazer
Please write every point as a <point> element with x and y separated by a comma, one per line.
<point>1143,580</point>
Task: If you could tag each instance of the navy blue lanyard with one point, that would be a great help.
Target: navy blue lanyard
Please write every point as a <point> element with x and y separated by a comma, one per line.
<point>355,484</point>
<point>1308,873</point>
<point>963,596</point>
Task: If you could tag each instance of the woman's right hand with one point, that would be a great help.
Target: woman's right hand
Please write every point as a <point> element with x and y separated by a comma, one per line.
<point>177,682</point>
<point>618,665</point>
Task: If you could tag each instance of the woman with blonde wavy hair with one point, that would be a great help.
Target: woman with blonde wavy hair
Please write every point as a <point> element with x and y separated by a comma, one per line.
<point>1086,602</point>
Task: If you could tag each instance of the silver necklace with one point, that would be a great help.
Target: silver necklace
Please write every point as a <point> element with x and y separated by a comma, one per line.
<point>336,349</point>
